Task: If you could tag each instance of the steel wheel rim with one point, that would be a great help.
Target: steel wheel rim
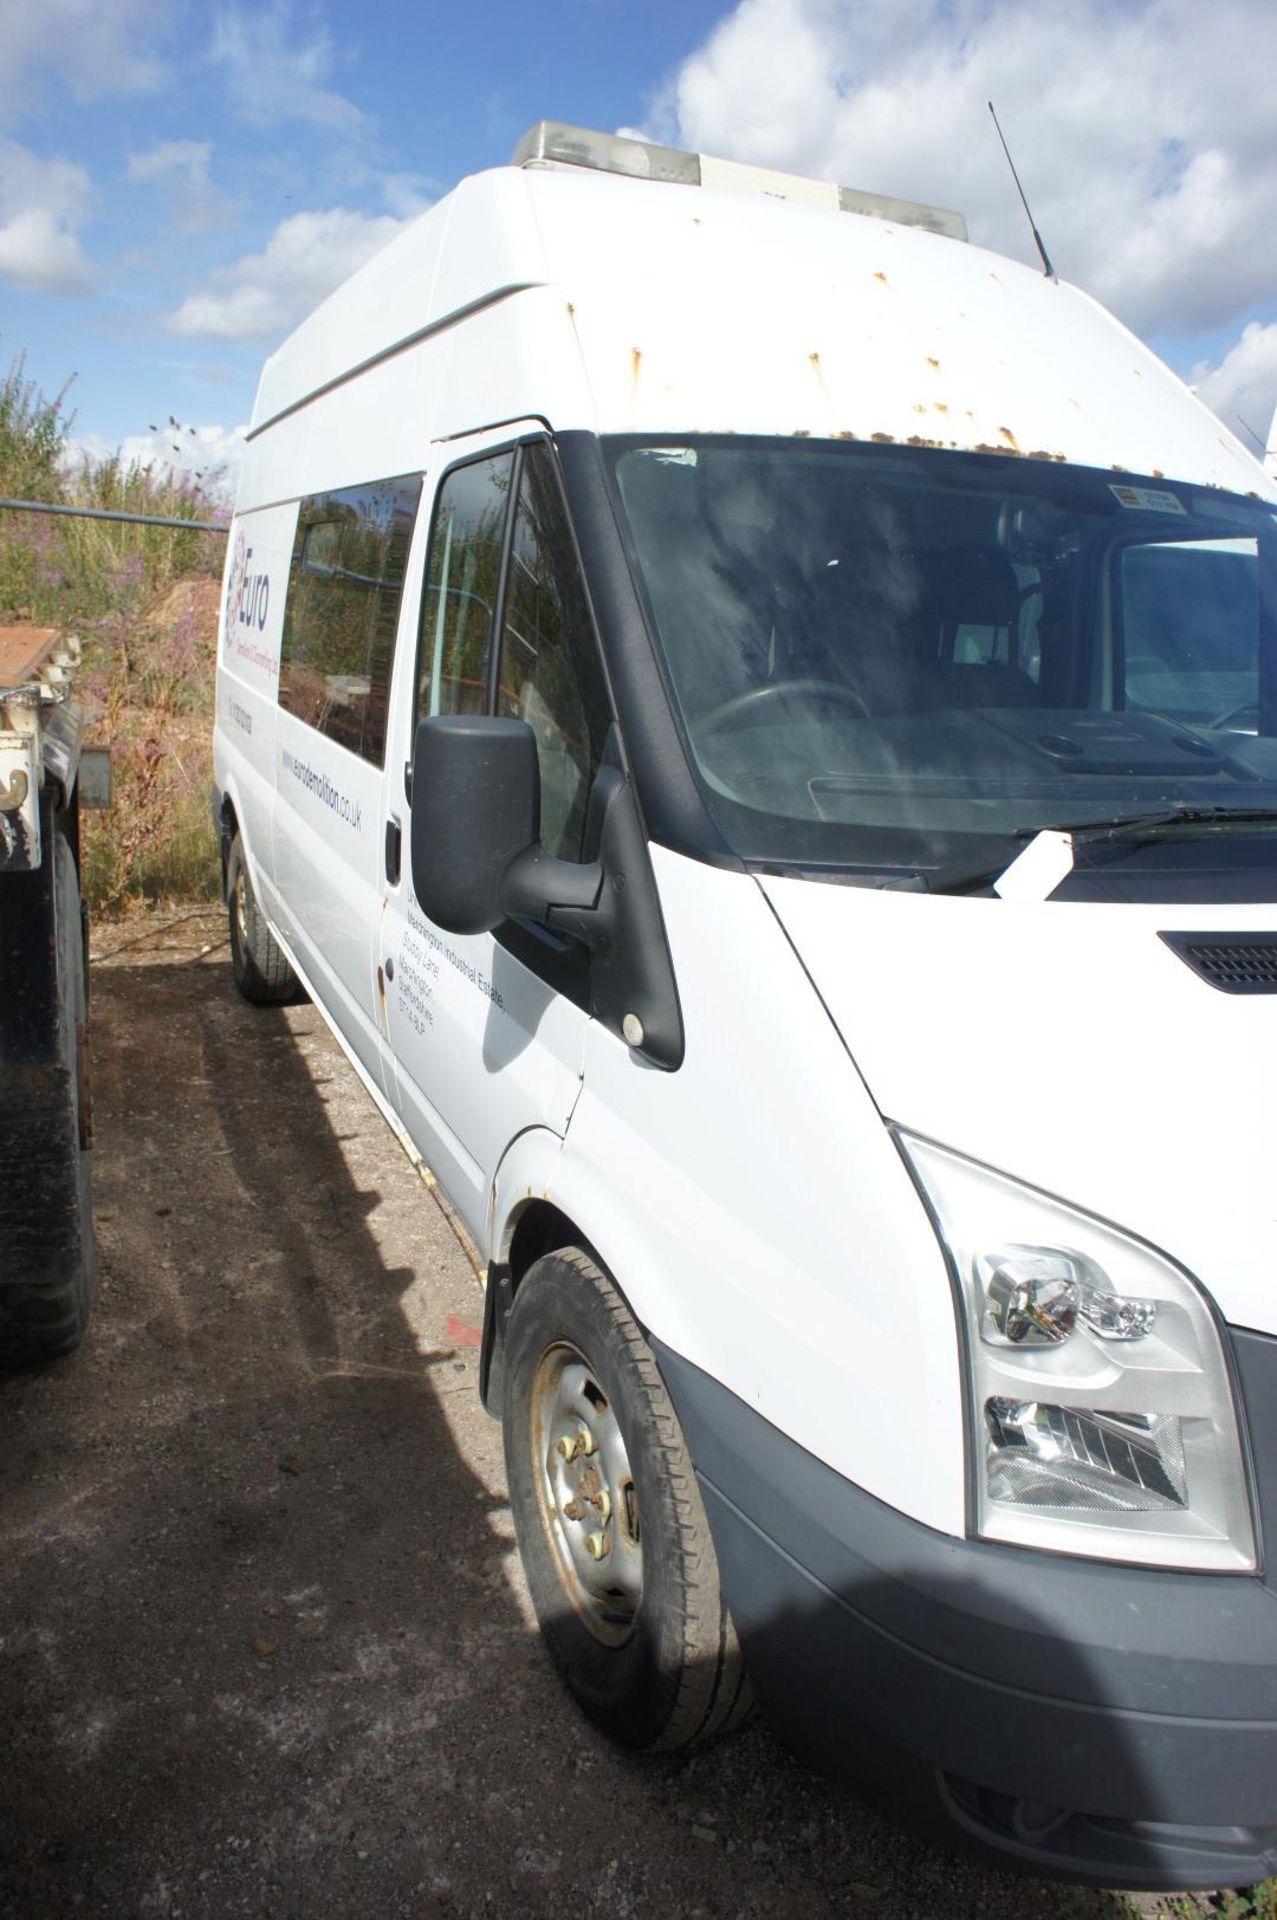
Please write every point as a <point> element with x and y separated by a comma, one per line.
<point>585,1489</point>
<point>241,910</point>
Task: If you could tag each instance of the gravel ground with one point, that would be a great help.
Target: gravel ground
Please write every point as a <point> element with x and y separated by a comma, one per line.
<point>264,1645</point>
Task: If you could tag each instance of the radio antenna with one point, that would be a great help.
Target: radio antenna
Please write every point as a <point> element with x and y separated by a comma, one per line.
<point>1251,431</point>
<point>1037,237</point>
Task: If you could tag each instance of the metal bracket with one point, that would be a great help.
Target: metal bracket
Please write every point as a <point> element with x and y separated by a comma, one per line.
<point>19,803</point>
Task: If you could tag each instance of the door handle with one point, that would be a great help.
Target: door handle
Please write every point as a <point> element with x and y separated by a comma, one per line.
<point>394,850</point>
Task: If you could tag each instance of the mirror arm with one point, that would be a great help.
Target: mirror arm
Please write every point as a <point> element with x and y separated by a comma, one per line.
<point>557,893</point>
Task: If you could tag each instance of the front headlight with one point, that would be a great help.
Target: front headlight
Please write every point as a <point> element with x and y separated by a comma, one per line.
<point>1102,1412</point>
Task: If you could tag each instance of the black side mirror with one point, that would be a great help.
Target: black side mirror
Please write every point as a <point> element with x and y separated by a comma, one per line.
<point>476,803</point>
<point>477,860</point>
<point>477,857</point>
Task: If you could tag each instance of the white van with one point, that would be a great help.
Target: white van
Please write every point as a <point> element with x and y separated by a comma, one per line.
<point>756,723</point>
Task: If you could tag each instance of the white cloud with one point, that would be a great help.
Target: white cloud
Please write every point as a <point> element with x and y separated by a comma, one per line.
<point>1143,137</point>
<point>210,453</point>
<point>407,194</point>
<point>1243,387</point>
<point>267,293</point>
<point>180,169</point>
<point>43,203</point>
<point>270,77</point>
<point>95,47</point>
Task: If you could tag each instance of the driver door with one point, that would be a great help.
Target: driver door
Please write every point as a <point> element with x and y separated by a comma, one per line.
<point>487,1032</point>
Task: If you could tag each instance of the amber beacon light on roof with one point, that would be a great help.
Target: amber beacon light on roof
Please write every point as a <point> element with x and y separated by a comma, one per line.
<point>550,143</point>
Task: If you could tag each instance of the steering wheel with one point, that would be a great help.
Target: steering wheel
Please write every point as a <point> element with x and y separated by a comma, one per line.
<point>755,697</point>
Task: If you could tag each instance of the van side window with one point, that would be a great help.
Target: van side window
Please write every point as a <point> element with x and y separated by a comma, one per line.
<point>344,589</point>
<point>550,673</point>
<point>463,574</point>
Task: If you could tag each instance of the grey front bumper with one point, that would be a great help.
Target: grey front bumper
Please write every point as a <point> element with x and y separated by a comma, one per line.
<point>1094,1722</point>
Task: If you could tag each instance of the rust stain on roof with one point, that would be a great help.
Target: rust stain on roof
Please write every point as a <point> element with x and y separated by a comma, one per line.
<point>1006,434</point>
<point>885,439</point>
<point>813,361</point>
<point>882,276</point>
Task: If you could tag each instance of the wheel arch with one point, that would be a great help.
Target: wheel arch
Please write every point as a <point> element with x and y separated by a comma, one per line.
<point>537,1227</point>
<point>227,823</point>
<point>526,1221</point>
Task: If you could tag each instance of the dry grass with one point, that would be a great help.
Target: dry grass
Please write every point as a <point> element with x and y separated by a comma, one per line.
<point>153,694</point>
<point>144,603</point>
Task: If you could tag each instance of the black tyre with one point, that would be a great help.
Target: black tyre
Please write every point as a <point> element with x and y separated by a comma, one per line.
<point>47,1256</point>
<point>261,972</point>
<point>609,1517</point>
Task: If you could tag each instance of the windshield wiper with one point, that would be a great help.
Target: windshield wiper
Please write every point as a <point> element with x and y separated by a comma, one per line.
<point>972,877</point>
<point>1132,825</point>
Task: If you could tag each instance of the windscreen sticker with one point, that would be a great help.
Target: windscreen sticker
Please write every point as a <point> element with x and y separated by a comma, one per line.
<point>1148,499</point>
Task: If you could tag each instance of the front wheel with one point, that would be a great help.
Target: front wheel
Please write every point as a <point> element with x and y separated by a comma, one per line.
<point>610,1522</point>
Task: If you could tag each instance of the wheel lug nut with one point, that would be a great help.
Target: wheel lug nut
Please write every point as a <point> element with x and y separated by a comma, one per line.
<point>598,1546</point>
<point>604,1505</point>
<point>572,1442</point>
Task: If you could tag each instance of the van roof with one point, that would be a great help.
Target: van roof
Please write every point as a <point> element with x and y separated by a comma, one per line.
<point>624,304</point>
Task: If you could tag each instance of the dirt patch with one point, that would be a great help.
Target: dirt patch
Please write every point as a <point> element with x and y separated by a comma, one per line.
<point>264,1646</point>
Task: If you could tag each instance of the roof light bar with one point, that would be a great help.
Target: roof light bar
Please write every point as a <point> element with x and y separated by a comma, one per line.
<point>551,143</point>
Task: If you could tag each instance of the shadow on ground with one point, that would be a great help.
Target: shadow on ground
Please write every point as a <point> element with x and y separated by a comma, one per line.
<point>263,1645</point>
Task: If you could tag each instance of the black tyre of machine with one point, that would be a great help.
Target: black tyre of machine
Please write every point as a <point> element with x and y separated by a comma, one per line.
<point>47,1257</point>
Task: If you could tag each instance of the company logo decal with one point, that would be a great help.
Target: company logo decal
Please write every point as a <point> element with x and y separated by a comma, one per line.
<point>247,607</point>
<point>248,595</point>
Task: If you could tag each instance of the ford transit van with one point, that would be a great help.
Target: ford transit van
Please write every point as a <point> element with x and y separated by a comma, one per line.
<point>755,721</point>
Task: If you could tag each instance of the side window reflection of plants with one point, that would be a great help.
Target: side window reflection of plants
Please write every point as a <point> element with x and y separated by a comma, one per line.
<point>463,574</point>
<point>344,590</point>
<point>550,674</point>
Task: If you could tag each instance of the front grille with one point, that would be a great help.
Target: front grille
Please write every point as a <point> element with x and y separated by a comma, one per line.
<point>1233,962</point>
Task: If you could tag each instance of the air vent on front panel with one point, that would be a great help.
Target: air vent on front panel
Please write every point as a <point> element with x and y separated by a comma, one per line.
<point>1233,962</point>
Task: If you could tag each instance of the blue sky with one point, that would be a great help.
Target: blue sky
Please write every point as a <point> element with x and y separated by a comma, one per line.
<point>180,182</point>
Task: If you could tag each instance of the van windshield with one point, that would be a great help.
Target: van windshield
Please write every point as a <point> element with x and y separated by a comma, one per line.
<point>884,658</point>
